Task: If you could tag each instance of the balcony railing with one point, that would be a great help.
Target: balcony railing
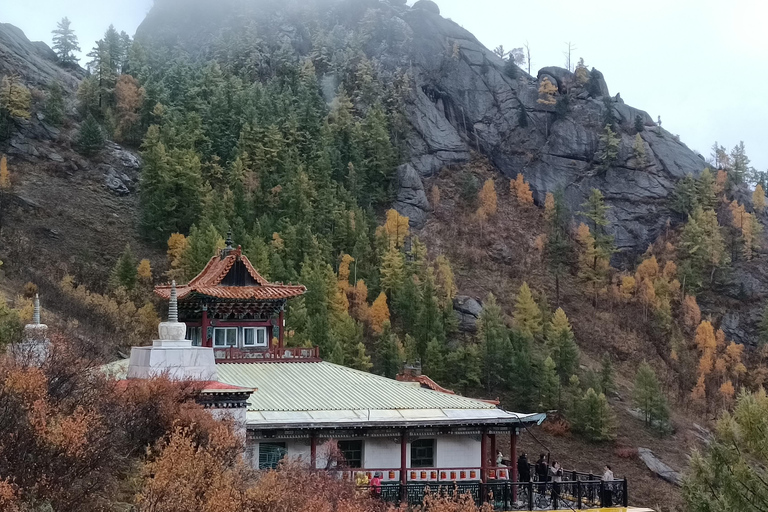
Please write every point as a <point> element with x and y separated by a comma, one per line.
<point>272,354</point>
<point>577,491</point>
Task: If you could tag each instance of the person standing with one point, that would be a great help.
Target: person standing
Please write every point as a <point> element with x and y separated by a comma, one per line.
<point>542,470</point>
<point>376,485</point>
<point>523,468</point>
<point>607,486</point>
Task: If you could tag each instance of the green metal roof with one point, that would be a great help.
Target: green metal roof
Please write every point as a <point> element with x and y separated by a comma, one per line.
<point>329,387</point>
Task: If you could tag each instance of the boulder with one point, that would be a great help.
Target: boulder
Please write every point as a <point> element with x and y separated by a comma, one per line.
<point>468,311</point>
<point>427,5</point>
<point>411,199</point>
<point>117,182</point>
<point>659,468</point>
<point>557,75</point>
<point>601,84</point>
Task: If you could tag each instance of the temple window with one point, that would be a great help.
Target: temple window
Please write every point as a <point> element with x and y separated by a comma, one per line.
<point>194,334</point>
<point>423,453</point>
<point>225,337</point>
<point>270,455</point>
<point>254,336</point>
<point>352,452</point>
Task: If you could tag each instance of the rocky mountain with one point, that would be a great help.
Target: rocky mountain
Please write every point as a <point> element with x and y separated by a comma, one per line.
<point>465,98</point>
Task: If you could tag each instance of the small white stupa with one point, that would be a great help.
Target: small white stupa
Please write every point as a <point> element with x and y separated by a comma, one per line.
<point>173,355</point>
<point>35,345</point>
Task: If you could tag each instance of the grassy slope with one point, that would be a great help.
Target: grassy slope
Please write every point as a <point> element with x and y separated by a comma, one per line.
<point>497,257</point>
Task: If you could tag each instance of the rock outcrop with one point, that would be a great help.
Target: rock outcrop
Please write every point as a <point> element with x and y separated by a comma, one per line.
<point>662,470</point>
<point>466,98</point>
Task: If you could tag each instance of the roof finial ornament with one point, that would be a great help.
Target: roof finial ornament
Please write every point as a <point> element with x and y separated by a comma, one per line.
<point>173,305</point>
<point>36,311</point>
<point>229,248</point>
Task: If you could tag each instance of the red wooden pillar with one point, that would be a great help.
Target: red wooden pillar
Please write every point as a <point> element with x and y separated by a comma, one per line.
<point>403,465</point>
<point>513,460</point>
<point>493,450</point>
<point>313,451</point>
<point>483,450</point>
<point>280,328</point>
<point>204,328</point>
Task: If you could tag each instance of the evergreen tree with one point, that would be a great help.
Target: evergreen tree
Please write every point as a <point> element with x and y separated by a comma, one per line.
<point>549,386</point>
<point>558,246</point>
<point>593,419</point>
<point>527,315</point>
<point>14,98</point>
<point>463,368</point>
<point>494,340</point>
<point>392,271</point>
<point>685,197</point>
<point>639,124</point>
<point>702,248</point>
<point>763,328</point>
<point>596,211</point>
<point>706,190</point>
<point>561,345</point>
<point>729,475</point>
<point>390,353</point>
<point>649,399</point>
<point>434,360</point>
<point>430,321</point>
<point>54,105</point>
<point>125,274</point>
<point>90,139</point>
<point>740,164</point>
<point>607,382</point>
<point>608,149</point>
<point>65,42</point>
<point>638,150</point>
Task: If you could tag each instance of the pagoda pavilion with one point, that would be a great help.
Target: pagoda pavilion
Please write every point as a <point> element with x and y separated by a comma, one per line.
<point>230,307</point>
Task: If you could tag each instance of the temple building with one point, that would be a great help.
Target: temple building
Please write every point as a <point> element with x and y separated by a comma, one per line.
<point>228,334</point>
<point>229,306</point>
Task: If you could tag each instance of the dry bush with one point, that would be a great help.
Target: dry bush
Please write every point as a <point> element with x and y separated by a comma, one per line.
<point>452,503</point>
<point>625,452</point>
<point>558,427</point>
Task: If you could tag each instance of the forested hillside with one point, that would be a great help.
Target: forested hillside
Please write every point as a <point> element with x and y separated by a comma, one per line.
<point>531,239</point>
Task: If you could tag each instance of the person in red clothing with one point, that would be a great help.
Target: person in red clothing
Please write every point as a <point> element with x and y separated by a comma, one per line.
<point>376,485</point>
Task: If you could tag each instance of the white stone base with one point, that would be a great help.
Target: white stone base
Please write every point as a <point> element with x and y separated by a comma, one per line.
<point>177,360</point>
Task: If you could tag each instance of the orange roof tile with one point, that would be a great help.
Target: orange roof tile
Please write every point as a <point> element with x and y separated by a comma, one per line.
<point>208,282</point>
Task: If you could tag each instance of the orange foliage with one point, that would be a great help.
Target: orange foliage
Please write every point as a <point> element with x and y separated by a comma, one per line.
<point>144,271</point>
<point>720,181</point>
<point>395,228</point>
<point>379,313</point>
<point>5,176</point>
<point>434,196</point>
<point>358,301</point>
<point>691,314</point>
<point>520,189</point>
<point>177,244</point>
<point>487,199</point>
<point>346,261</point>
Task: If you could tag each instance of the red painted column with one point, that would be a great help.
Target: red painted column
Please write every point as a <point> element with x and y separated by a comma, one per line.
<point>403,465</point>
<point>483,450</point>
<point>513,459</point>
<point>281,328</point>
<point>493,449</point>
<point>204,333</point>
<point>313,451</point>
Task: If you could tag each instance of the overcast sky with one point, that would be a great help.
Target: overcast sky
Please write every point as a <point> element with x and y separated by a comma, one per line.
<point>699,64</point>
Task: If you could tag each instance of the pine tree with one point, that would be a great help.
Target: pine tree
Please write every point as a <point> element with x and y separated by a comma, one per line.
<point>730,473</point>
<point>392,271</point>
<point>638,150</point>
<point>706,190</point>
<point>558,244</point>
<point>763,329</point>
<point>463,368</point>
<point>390,353</point>
<point>593,418</point>
<point>639,123</point>
<point>593,262</point>
<point>202,244</point>
<point>527,315</point>
<point>649,398</point>
<point>608,149</point>
<point>65,42</point>
<point>54,105</point>
<point>429,325</point>
<point>702,248</point>
<point>740,164</point>
<point>596,211</point>
<point>494,340</point>
<point>434,360</point>
<point>125,273</point>
<point>549,386</point>
<point>90,139</point>
<point>561,345</point>
<point>607,382</point>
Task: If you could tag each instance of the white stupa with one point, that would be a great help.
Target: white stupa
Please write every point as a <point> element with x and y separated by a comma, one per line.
<point>172,355</point>
<point>35,345</point>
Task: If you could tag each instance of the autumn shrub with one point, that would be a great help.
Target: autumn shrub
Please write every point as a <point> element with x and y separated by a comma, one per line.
<point>558,427</point>
<point>625,452</point>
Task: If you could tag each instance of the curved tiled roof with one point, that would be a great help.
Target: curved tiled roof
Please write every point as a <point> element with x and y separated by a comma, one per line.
<point>208,282</point>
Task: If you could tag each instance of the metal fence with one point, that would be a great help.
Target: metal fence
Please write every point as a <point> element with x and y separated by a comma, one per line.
<point>577,494</point>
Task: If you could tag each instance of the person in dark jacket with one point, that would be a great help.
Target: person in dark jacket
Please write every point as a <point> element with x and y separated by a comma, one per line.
<point>542,473</point>
<point>523,468</point>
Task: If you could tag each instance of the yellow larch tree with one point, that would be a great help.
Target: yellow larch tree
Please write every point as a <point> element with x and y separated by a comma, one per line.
<point>445,282</point>
<point>547,91</point>
<point>395,229</point>
<point>690,313</point>
<point>487,200</point>
<point>549,206</point>
<point>344,270</point>
<point>358,301</point>
<point>627,287</point>
<point>758,199</point>
<point>720,181</point>
<point>144,271</point>
<point>520,189</point>
<point>177,245</point>
<point>379,313</point>
<point>5,175</point>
